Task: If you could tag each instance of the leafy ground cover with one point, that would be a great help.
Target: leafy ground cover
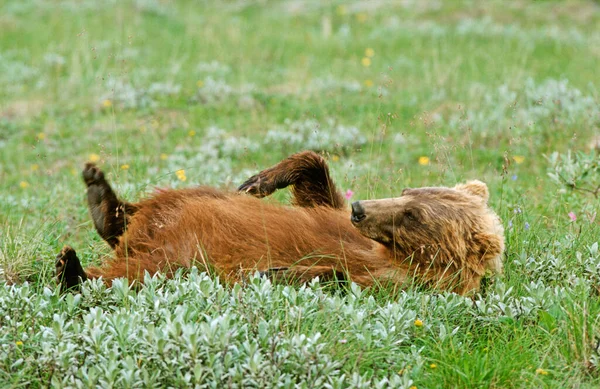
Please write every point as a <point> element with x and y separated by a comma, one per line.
<point>395,94</point>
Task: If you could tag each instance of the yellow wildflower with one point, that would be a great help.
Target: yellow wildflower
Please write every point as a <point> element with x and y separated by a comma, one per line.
<point>368,83</point>
<point>41,136</point>
<point>423,160</point>
<point>154,123</point>
<point>413,387</point>
<point>366,62</point>
<point>199,83</point>
<point>369,52</point>
<point>35,167</point>
<point>341,10</point>
<point>163,157</point>
<point>93,157</point>
<point>107,103</point>
<point>191,133</point>
<point>19,343</point>
<point>361,17</point>
<point>541,371</point>
<point>23,184</point>
<point>181,175</point>
<point>124,166</point>
<point>519,159</point>
<point>335,157</point>
<point>143,129</point>
<point>418,323</point>
<point>433,366</point>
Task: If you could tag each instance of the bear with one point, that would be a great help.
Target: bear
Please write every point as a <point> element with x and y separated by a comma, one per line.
<point>446,238</point>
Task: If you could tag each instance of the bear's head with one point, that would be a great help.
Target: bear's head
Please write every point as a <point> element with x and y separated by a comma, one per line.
<point>438,230</point>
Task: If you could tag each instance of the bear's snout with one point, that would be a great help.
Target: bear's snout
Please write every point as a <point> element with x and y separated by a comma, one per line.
<point>358,212</point>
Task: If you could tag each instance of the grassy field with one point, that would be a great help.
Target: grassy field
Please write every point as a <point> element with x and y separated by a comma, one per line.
<point>395,94</point>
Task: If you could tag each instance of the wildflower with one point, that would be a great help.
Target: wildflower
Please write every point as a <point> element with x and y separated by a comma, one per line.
<point>369,52</point>
<point>514,177</point>
<point>154,123</point>
<point>349,193</point>
<point>41,136</point>
<point>124,166</point>
<point>343,341</point>
<point>413,387</point>
<point>424,160</point>
<point>335,158</point>
<point>361,17</point>
<point>181,175</point>
<point>143,129</point>
<point>526,225</point>
<point>509,223</point>
<point>519,159</point>
<point>341,10</point>
<point>191,133</point>
<point>19,343</point>
<point>368,83</point>
<point>433,366</point>
<point>164,157</point>
<point>35,167</point>
<point>107,103</point>
<point>93,157</point>
<point>199,83</point>
<point>541,371</point>
<point>418,323</point>
<point>572,216</point>
<point>366,62</point>
<point>24,184</point>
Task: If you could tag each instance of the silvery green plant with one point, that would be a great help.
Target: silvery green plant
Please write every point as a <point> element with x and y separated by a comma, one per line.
<point>213,91</point>
<point>577,172</point>
<point>193,331</point>
<point>125,95</point>
<point>327,135</point>
<point>531,110</point>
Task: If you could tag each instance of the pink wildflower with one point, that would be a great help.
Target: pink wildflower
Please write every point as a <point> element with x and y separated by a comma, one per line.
<point>572,216</point>
<point>349,194</point>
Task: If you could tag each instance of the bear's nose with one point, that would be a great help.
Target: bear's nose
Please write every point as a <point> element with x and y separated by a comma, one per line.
<point>358,212</point>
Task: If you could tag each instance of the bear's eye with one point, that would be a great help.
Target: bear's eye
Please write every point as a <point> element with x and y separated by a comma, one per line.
<point>410,215</point>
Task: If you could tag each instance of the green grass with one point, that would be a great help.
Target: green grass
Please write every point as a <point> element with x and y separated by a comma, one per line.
<point>485,90</point>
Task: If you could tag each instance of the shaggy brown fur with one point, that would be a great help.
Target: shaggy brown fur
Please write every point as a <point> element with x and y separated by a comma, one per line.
<point>446,238</point>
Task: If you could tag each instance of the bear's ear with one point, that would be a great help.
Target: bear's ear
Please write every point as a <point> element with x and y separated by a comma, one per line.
<point>476,188</point>
<point>405,191</point>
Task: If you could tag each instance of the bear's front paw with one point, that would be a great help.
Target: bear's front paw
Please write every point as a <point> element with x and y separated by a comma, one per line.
<point>255,186</point>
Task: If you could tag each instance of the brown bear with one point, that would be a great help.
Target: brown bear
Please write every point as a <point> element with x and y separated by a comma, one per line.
<point>444,238</point>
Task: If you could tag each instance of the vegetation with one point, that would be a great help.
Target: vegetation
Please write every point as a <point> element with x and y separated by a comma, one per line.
<point>395,94</point>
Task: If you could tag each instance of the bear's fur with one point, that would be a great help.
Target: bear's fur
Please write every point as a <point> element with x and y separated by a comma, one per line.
<point>445,238</point>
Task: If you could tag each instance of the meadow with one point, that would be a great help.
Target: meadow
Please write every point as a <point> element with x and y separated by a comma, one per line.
<point>395,94</point>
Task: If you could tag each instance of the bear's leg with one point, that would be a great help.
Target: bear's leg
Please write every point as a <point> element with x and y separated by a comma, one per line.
<point>69,273</point>
<point>108,212</point>
<point>307,173</point>
<point>303,274</point>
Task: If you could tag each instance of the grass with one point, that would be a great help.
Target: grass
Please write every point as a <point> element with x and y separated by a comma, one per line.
<point>220,91</point>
